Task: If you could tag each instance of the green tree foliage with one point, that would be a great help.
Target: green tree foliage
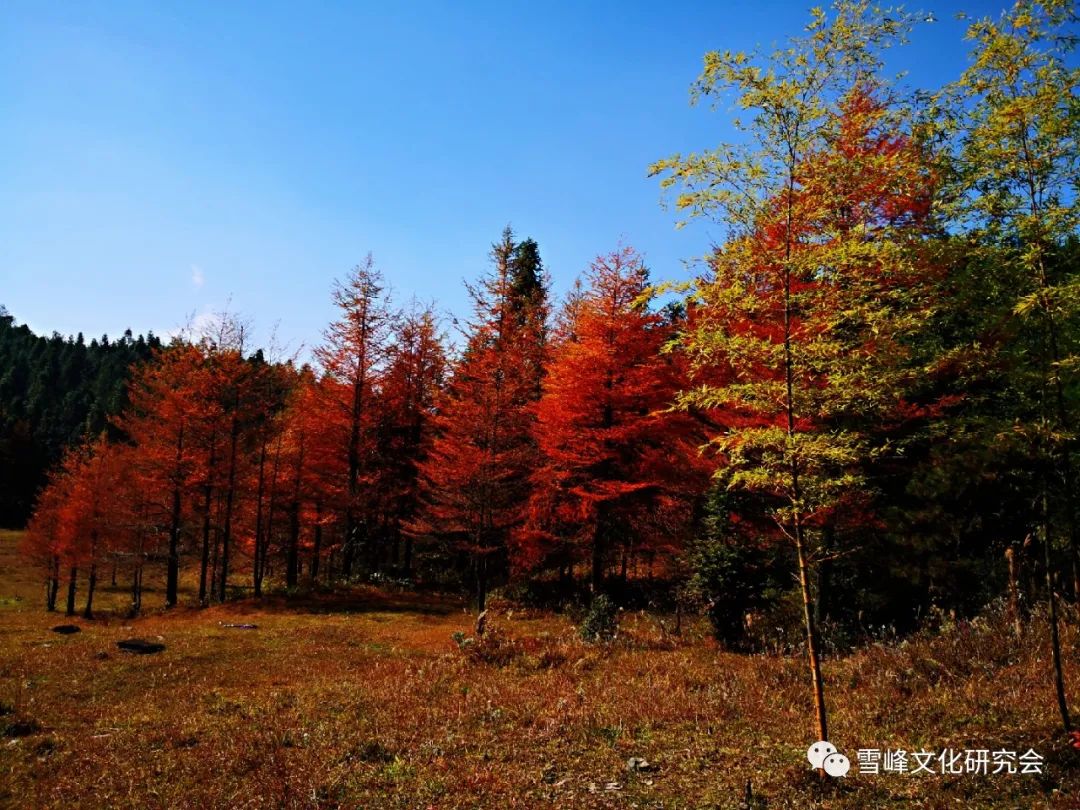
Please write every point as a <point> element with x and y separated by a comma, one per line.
<point>53,392</point>
<point>1017,164</point>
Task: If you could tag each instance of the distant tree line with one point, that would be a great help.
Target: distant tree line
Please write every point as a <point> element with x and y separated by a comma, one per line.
<point>53,391</point>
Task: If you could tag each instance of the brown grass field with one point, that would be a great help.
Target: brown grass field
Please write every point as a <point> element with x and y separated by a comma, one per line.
<point>362,699</point>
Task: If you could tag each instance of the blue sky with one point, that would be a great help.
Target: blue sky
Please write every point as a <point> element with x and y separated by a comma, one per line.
<point>162,160</point>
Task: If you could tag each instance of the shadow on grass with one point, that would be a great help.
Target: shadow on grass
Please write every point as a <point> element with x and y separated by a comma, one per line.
<point>358,599</point>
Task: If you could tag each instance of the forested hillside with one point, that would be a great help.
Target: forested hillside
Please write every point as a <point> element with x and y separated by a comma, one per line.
<point>53,392</point>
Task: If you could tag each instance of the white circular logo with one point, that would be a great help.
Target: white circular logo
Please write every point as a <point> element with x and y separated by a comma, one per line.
<point>817,752</point>
<point>837,765</point>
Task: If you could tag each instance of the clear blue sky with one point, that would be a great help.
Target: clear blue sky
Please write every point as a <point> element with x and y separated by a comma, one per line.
<point>158,159</point>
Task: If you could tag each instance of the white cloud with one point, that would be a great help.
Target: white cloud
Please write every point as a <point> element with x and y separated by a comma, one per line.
<point>205,324</point>
<point>197,277</point>
<point>198,325</point>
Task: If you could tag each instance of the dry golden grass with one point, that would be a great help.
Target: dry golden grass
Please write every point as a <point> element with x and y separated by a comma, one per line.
<point>363,700</point>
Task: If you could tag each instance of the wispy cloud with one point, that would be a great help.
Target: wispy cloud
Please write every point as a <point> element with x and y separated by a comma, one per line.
<point>197,277</point>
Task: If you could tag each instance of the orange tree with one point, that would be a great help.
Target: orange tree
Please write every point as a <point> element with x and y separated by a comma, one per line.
<point>613,456</point>
<point>475,479</point>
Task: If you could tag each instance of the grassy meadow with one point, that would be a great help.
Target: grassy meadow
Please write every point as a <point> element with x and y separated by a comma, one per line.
<point>363,699</point>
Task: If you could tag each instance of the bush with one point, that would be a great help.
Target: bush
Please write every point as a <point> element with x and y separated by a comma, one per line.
<point>737,579</point>
<point>778,627</point>
<point>601,622</point>
<point>491,647</point>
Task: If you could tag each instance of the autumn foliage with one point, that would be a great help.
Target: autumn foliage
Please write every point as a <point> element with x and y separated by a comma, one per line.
<point>475,479</point>
<point>613,478</point>
<point>872,367</point>
<point>853,421</point>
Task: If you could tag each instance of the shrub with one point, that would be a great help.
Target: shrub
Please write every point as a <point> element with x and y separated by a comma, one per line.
<point>601,622</point>
<point>492,647</point>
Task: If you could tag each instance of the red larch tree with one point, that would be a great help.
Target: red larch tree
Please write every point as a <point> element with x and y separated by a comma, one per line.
<point>475,480</point>
<point>613,455</point>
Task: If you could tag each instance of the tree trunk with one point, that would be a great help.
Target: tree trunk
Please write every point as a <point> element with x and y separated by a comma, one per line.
<point>53,585</point>
<point>204,562</point>
<point>230,497</point>
<point>208,497</point>
<point>257,558</point>
<point>72,577</point>
<point>349,546</point>
<point>292,552</point>
<point>481,583</point>
<point>355,425</point>
<point>596,582</point>
<point>136,591</point>
<point>215,551</point>
<point>1012,559</point>
<point>1055,640</point>
<point>824,576</point>
<point>812,653</point>
<point>292,564</point>
<point>268,533</point>
<point>88,612</point>
<point>317,544</point>
<point>172,576</point>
